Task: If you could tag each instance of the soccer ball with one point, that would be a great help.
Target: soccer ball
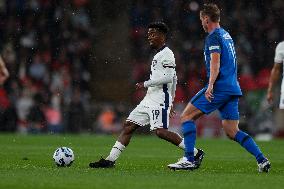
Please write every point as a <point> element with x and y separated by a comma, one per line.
<point>63,157</point>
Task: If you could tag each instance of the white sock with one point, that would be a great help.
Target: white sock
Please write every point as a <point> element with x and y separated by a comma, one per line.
<point>182,146</point>
<point>195,151</point>
<point>115,151</point>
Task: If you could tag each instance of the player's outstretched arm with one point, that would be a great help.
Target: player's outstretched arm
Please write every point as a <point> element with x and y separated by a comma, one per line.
<point>173,93</point>
<point>274,77</point>
<point>166,78</point>
<point>155,82</point>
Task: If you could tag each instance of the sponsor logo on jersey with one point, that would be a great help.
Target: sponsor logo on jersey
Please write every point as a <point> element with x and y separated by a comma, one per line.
<point>214,47</point>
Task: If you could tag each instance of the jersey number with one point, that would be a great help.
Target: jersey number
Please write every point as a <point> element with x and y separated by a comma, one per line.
<point>155,114</point>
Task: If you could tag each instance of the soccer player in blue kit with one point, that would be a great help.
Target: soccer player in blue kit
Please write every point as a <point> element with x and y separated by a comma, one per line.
<point>221,93</point>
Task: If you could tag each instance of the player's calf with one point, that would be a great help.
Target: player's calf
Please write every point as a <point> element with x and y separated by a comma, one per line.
<point>169,136</point>
<point>127,132</point>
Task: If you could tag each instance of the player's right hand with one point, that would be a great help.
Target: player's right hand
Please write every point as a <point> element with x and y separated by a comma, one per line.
<point>209,93</point>
<point>269,97</point>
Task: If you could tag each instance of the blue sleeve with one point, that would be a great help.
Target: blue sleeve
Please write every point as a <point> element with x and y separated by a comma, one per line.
<point>214,44</point>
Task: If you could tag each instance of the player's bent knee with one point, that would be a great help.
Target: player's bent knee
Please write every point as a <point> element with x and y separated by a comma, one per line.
<point>187,117</point>
<point>160,132</point>
<point>193,116</point>
<point>190,113</point>
<point>231,134</point>
<point>129,128</point>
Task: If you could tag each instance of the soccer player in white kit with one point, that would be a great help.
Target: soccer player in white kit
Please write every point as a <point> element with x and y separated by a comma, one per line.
<point>156,107</point>
<point>274,77</point>
<point>275,74</point>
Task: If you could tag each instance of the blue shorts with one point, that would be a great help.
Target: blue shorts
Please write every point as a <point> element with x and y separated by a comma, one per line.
<point>226,104</point>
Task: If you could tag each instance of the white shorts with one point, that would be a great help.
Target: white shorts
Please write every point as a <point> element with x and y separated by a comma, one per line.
<point>281,103</point>
<point>156,116</point>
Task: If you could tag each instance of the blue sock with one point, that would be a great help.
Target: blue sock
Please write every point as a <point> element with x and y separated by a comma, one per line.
<point>189,134</point>
<point>248,143</point>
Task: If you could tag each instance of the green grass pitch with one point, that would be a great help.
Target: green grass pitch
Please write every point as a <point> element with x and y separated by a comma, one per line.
<point>26,162</point>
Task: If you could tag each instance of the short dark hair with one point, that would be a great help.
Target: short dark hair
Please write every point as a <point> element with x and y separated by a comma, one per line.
<point>160,26</point>
<point>212,11</point>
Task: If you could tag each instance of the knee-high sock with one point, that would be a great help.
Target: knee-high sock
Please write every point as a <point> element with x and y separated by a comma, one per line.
<point>115,151</point>
<point>248,143</point>
<point>189,133</point>
<point>182,146</point>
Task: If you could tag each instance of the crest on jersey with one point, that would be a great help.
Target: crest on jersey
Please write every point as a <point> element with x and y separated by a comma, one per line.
<point>154,63</point>
<point>227,36</point>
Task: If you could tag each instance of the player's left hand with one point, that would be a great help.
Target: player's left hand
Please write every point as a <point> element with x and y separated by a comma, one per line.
<point>209,93</point>
<point>139,85</point>
<point>172,112</point>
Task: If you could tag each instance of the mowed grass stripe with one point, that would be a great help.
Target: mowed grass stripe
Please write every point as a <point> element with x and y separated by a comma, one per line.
<point>26,162</point>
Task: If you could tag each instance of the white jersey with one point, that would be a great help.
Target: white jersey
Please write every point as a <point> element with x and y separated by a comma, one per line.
<point>162,83</point>
<point>279,59</point>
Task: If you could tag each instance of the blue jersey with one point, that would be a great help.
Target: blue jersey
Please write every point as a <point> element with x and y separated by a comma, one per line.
<point>221,42</point>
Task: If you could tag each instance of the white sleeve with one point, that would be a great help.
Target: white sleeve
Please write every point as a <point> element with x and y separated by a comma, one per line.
<point>166,78</point>
<point>279,53</point>
<point>174,88</point>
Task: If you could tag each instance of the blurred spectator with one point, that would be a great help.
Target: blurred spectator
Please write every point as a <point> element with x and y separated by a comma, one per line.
<point>53,119</point>
<point>8,115</point>
<point>109,121</point>
<point>36,118</point>
<point>76,113</point>
<point>23,105</point>
<point>46,45</point>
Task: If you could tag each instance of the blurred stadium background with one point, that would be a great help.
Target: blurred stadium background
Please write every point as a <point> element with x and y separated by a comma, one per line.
<point>73,63</point>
